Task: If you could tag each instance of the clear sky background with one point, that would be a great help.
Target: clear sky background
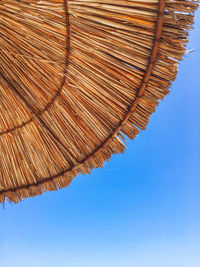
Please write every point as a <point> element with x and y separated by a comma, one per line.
<point>141,210</point>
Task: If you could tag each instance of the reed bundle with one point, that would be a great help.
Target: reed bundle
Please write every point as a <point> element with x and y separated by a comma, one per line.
<point>75,77</point>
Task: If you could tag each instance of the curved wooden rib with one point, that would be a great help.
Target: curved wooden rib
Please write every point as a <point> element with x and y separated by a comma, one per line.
<point>62,82</point>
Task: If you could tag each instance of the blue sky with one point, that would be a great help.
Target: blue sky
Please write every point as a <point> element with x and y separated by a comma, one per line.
<point>142,209</point>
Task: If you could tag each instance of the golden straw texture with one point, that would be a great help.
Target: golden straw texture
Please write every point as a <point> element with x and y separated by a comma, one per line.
<point>75,76</point>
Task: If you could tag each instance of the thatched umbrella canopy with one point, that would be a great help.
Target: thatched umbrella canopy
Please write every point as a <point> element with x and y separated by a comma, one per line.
<point>75,75</point>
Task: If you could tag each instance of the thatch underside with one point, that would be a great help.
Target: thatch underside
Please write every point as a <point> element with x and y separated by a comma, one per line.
<point>74,77</point>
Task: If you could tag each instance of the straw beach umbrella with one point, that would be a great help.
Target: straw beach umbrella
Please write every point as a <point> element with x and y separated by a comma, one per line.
<point>75,77</point>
